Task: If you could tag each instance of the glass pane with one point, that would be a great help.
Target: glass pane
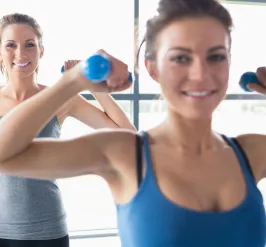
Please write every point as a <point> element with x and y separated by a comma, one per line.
<point>76,29</point>
<point>146,10</point>
<point>232,117</point>
<point>248,47</point>
<point>151,113</point>
<point>247,51</point>
<point>235,117</point>
<point>96,242</point>
<point>87,199</point>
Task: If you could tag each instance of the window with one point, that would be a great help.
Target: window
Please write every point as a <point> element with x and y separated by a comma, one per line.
<point>232,117</point>
<point>247,51</point>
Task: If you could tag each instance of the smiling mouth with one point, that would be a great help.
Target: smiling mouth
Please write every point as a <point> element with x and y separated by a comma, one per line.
<point>199,94</point>
<point>21,65</point>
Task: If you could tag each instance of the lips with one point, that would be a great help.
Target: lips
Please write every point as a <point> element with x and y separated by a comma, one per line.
<point>198,93</point>
<point>21,65</point>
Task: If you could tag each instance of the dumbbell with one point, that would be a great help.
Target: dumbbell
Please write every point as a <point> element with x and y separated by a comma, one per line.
<point>97,68</point>
<point>248,78</point>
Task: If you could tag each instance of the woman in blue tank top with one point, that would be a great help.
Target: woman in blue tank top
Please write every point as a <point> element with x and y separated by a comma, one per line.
<point>179,184</point>
<point>40,218</point>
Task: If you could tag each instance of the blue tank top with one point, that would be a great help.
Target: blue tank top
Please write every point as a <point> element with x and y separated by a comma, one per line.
<point>150,219</point>
<point>32,209</point>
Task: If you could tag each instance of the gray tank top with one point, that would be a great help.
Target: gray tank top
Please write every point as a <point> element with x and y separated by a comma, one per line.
<point>32,209</point>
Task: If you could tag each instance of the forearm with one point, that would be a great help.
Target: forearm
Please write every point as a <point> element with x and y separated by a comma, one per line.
<point>113,110</point>
<point>20,126</point>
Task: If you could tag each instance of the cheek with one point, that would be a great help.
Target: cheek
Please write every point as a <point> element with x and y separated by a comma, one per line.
<point>34,52</point>
<point>35,55</point>
<point>170,75</point>
<point>7,55</point>
<point>170,90</point>
<point>223,77</point>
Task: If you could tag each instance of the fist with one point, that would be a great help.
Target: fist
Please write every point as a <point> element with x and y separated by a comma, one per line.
<point>116,81</point>
<point>259,88</point>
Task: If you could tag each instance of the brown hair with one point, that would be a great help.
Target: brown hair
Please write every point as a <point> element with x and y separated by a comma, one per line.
<point>17,18</point>
<point>171,10</point>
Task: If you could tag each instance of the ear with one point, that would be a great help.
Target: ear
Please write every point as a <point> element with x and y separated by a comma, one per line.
<point>42,52</point>
<point>152,69</point>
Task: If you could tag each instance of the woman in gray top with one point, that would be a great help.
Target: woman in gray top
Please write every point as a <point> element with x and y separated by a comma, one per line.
<point>31,209</point>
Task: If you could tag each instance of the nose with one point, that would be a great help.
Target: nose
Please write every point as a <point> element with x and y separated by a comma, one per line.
<point>20,52</point>
<point>198,70</point>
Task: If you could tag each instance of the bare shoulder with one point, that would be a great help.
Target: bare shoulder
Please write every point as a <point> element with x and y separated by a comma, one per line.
<point>119,139</point>
<point>252,142</point>
<point>254,146</point>
<point>119,146</point>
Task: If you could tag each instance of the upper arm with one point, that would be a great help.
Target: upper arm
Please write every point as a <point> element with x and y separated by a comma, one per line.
<point>84,111</point>
<point>89,114</point>
<point>254,146</point>
<point>50,159</point>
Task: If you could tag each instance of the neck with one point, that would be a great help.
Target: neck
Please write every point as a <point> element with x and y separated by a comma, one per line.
<point>186,135</point>
<point>21,88</point>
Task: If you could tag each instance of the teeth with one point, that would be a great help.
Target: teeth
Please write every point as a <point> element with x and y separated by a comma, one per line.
<point>202,93</point>
<point>21,64</point>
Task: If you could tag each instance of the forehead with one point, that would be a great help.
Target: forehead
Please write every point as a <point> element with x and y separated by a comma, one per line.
<point>18,32</point>
<point>198,34</point>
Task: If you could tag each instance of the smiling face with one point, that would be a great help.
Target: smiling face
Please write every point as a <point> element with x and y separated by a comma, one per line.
<point>20,50</point>
<point>192,65</point>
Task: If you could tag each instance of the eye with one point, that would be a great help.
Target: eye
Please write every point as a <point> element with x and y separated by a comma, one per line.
<point>30,45</point>
<point>216,58</point>
<point>181,59</point>
<point>10,45</point>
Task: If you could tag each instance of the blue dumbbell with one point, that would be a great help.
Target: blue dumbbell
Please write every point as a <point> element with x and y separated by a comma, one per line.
<point>97,68</point>
<point>248,78</point>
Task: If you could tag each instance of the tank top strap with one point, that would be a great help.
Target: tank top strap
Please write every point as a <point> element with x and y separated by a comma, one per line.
<point>147,155</point>
<point>242,157</point>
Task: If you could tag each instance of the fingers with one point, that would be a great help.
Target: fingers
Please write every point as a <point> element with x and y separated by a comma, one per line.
<point>257,88</point>
<point>261,86</point>
<point>118,79</point>
<point>120,87</point>
<point>119,70</point>
<point>70,64</point>
<point>118,84</point>
<point>261,74</point>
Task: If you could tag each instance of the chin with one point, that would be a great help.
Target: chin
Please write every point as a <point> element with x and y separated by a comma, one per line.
<point>197,114</point>
<point>200,118</point>
<point>25,74</point>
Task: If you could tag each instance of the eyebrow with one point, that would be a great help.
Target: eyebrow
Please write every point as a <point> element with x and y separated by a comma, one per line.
<point>10,40</point>
<point>184,49</point>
